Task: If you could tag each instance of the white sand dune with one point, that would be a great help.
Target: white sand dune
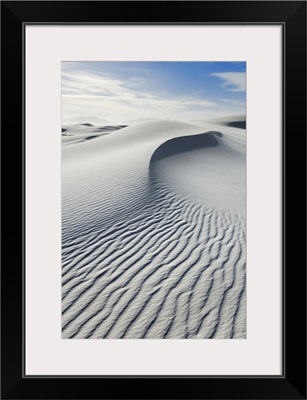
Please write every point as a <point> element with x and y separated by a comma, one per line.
<point>153,233</point>
<point>82,132</point>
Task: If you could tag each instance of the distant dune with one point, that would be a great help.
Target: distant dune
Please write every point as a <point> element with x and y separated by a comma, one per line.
<point>238,124</point>
<point>80,132</point>
<point>236,121</point>
<point>85,120</point>
<point>154,231</point>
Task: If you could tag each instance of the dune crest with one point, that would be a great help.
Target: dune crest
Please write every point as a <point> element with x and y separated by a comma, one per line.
<point>185,144</point>
<point>153,238</point>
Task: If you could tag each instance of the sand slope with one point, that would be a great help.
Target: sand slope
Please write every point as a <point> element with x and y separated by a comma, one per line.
<point>153,233</point>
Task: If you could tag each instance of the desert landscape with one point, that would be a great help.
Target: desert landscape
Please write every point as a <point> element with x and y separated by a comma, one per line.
<point>154,229</point>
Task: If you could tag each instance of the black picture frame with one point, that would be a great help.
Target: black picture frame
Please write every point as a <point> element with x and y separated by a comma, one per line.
<point>292,16</point>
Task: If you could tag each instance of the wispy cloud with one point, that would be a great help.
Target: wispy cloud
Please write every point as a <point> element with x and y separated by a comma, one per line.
<point>232,81</point>
<point>137,70</point>
<point>118,92</point>
<point>113,98</point>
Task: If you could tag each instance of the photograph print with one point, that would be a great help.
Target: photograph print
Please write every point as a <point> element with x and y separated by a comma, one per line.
<point>153,200</point>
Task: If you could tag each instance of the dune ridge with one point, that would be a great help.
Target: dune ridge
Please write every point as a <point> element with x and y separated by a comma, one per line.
<point>141,256</point>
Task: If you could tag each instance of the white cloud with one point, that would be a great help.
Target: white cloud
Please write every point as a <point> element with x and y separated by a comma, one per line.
<point>88,93</point>
<point>232,81</point>
<point>138,70</point>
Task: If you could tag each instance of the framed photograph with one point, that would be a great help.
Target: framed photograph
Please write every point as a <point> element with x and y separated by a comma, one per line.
<point>158,151</point>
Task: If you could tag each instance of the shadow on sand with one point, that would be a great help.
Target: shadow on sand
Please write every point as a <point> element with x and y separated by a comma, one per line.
<point>178,145</point>
<point>185,144</point>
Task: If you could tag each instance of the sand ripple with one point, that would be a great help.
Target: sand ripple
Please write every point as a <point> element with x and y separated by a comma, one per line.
<point>174,268</point>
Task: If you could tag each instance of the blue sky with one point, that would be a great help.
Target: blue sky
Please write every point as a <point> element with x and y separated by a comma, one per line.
<point>119,92</point>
